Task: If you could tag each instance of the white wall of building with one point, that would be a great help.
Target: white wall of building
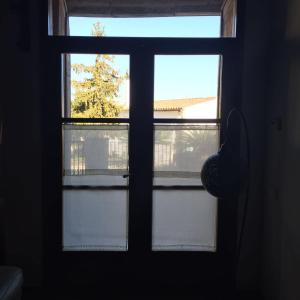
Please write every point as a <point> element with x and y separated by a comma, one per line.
<point>167,114</point>
<point>205,110</point>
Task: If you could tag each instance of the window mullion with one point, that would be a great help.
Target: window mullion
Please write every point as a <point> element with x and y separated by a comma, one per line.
<point>141,151</point>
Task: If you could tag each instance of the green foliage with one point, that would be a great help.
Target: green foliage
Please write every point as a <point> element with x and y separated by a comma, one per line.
<point>97,30</point>
<point>197,140</point>
<point>94,95</point>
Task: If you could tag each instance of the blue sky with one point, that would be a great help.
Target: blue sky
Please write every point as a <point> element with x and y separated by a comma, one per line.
<point>175,76</point>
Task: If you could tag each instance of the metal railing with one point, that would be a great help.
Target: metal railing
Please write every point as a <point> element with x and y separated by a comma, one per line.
<point>180,148</point>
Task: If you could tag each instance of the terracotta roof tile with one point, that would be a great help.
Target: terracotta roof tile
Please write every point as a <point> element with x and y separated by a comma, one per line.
<point>177,104</point>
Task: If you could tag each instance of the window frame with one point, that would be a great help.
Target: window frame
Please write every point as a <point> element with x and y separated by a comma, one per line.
<point>230,49</point>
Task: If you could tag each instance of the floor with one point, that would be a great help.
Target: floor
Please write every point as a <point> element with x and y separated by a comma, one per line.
<point>38,294</point>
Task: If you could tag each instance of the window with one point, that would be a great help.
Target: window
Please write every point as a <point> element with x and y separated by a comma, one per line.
<point>96,179</point>
<point>123,187</point>
<point>144,18</point>
<point>95,217</point>
<point>175,26</point>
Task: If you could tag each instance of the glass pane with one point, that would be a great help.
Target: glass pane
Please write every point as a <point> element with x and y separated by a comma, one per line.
<point>184,221</point>
<point>95,86</point>
<point>180,151</point>
<point>95,220</point>
<point>95,154</point>
<point>171,26</point>
<point>147,18</point>
<point>186,86</point>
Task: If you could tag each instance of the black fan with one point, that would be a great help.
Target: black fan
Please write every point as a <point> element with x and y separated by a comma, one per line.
<point>224,173</point>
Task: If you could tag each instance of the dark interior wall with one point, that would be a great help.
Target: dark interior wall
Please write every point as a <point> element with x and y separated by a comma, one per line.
<point>281,261</point>
<point>277,91</point>
<point>22,142</point>
<point>21,98</point>
<point>254,78</point>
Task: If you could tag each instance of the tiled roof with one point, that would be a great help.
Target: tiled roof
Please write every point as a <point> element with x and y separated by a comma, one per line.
<point>177,104</point>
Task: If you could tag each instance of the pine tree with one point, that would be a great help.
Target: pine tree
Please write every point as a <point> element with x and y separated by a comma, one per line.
<point>94,95</point>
